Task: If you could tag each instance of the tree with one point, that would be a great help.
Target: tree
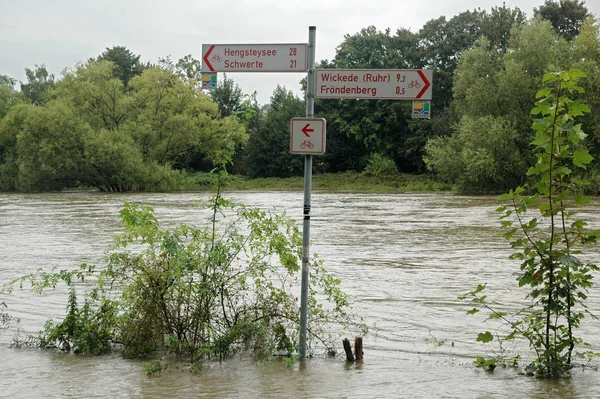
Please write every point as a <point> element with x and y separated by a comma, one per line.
<point>127,64</point>
<point>442,41</point>
<point>190,68</point>
<point>97,95</point>
<point>497,25</point>
<point>268,151</point>
<point>586,57</point>
<point>39,84</point>
<point>42,148</point>
<point>566,16</point>
<point>481,157</point>
<point>187,67</point>
<point>8,95</point>
<point>371,48</point>
<point>228,96</point>
<point>178,125</point>
<point>492,90</point>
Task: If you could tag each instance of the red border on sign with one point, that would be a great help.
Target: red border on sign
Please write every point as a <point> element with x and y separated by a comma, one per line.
<point>212,68</point>
<point>419,96</point>
<point>323,135</point>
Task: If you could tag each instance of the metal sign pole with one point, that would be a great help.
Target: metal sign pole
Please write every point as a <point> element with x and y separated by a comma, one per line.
<point>310,109</point>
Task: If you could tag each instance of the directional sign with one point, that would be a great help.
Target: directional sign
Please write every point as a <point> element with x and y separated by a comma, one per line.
<point>254,57</point>
<point>307,136</point>
<point>390,84</point>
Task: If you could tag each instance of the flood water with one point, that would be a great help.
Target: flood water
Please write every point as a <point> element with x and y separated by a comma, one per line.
<point>404,258</point>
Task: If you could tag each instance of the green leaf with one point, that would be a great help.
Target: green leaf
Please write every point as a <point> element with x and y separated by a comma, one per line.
<point>497,315</point>
<point>485,337</point>
<point>472,311</point>
<point>581,199</point>
<point>582,158</point>
<point>578,109</point>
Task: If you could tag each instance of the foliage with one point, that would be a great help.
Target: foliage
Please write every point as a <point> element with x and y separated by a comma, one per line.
<point>85,329</point>
<point>493,91</point>
<point>6,320</point>
<point>549,243</point>
<point>127,65</point>
<point>480,158</point>
<point>92,132</point>
<point>268,151</point>
<point>566,16</point>
<point>228,96</point>
<point>197,293</point>
<point>39,84</point>
<point>486,64</point>
<point>380,166</point>
<point>497,25</point>
<point>8,94</point>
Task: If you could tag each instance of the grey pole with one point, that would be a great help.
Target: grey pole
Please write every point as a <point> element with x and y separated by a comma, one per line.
<point>310,110</point>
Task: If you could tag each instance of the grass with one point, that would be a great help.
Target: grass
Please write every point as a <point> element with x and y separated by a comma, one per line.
<point>347,181</point>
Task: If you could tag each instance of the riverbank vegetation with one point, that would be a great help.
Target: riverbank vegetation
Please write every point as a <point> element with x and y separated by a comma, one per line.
<point>343,181</point>
<point>115,123</point>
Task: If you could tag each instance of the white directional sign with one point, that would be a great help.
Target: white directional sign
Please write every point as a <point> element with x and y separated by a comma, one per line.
<point>390,84</point>
<point>254,57</point>
<point>307,136</point>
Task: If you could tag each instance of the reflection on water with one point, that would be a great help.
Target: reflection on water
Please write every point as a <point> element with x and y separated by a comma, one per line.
<point>405,258</point>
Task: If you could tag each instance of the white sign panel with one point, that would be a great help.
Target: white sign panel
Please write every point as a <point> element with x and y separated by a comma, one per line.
<point>254,57</point>
<point>307,136</point>
<point>390,84</point>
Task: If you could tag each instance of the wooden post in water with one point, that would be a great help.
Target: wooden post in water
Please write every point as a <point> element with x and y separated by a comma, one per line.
<point>358,351</point>
<point>348,349</point>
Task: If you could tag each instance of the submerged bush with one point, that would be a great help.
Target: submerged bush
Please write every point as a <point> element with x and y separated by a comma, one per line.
<point>198,293</point>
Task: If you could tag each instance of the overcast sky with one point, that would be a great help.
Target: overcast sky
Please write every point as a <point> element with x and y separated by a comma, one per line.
<point>60,33</point>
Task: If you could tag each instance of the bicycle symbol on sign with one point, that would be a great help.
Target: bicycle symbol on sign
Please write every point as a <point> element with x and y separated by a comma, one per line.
<point>216,58</point>
<point>415,84</point>
<point>307,143</point>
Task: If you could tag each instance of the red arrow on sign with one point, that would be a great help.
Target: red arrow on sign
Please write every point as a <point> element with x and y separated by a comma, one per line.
<point>306,130</point>
<point>205,58</point>
<point>427,84</point>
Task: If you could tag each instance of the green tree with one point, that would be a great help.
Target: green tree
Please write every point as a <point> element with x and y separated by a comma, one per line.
<point>497,25</point>
<point>481,157</point>
<point>127,64</point>
<point>190,68</point>
<point>566,16</point>
<point>500,85</point>
<point>228,96</point>
<point>585,56</point>
<point>443,41</point>
<point>39,84</point>
<point>97,95</point>
<point>117,163</point>
<point>178,125</point>
<point>268,151</point>
<point>43,148</point>
<point>8,94</point>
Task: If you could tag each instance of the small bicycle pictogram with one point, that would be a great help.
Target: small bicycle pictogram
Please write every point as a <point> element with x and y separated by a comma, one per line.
<point>415,84</point>
<point>307,143</point>
<point>216,58</point>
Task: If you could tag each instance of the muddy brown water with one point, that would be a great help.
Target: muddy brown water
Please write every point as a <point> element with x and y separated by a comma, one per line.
<point>404,258</point>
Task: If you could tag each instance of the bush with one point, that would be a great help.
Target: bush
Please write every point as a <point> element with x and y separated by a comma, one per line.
<point>198,292</point>
<point>378,165</point>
